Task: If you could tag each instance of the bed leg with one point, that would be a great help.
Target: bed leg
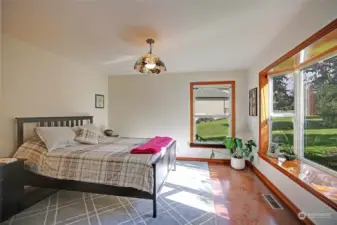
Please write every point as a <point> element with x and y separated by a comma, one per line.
<point>154,208</point>
<point>154,196</point>
<point>175,157</point>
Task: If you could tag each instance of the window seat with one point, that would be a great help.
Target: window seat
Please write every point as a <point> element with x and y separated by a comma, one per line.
<point>317,182</point>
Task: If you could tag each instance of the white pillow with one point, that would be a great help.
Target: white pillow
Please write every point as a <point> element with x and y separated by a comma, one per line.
<point>86,136</point>
<point>91,127</point>
<point>56,137</point>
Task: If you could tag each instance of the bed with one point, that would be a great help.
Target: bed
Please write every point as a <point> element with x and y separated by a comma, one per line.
<point>156,167</point>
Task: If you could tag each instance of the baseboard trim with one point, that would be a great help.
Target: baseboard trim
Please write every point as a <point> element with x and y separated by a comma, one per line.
<point>217,161</point>
<point>277,192</point>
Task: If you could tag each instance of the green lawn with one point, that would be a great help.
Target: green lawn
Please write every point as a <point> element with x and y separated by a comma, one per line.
<point>320,144</point>
<point>213,131</point>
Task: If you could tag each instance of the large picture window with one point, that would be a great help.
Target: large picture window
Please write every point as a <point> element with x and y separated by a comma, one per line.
<point>303,112</point>
<point>211,112</point>
<point>298,114</point>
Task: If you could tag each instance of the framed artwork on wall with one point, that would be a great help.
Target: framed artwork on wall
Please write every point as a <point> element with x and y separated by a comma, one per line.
<point>99,101</point>
<point>253,102</point>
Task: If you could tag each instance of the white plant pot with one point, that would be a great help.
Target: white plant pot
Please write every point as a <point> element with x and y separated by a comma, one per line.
<point>238,164</point>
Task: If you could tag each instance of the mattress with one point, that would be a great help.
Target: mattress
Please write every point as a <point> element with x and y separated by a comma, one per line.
<point>109,162</point>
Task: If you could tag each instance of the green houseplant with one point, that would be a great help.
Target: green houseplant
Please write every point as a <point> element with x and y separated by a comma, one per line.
<point>284,148</point>
<point>239,151</point>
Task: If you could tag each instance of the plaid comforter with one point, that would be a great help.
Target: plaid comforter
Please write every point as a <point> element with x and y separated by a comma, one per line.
<point>108,162</point>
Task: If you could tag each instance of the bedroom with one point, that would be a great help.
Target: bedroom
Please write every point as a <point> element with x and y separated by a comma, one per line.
<point>57,55</point>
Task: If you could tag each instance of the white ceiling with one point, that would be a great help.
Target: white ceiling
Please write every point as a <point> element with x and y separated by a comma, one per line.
<point>190,35</point>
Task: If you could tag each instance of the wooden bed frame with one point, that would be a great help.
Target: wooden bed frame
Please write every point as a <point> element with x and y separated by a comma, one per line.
<point>161,167</point>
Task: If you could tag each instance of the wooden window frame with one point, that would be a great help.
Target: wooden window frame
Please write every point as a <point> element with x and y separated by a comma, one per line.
<point>263,115</point>
<point>233,112</point>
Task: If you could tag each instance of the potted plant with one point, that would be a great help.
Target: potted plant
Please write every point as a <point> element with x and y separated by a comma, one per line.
<point>282,149</point>
<point>287,151</point>
<point>239,151</point>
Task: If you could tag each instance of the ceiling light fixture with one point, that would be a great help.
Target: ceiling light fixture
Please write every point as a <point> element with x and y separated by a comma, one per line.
<point>150,63</point>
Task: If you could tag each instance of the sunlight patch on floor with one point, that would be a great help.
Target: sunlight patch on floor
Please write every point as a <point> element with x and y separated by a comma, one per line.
<point>195,179</point>
<point>165,190</point>
<point>193,200</point>
<point>222,211</point>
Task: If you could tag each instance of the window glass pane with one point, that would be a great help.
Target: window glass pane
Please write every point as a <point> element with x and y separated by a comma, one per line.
<point>209,106</point>
<point>282,135</point>
<point>283,93</point>
<point>211,114</point>
<point>211,101</point>
<point>211,129</point>
<point>320,109</point>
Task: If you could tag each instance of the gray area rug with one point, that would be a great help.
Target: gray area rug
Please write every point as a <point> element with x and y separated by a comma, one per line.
<point>185,199</point>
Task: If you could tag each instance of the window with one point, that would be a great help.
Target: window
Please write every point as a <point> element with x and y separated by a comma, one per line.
<point>320,112</point>
<point>298,113</point>
<point>282,113</point>
<point>303,113</point>
<point>211,112</point>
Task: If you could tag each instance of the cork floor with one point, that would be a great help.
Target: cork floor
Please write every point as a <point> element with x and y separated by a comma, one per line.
<point>238,199</point>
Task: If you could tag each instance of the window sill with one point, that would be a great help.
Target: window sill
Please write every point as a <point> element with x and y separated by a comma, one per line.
<point>320,184</point>
<point>200,145</point>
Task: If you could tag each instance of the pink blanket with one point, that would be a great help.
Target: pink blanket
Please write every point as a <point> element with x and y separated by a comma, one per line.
<point>153,146</point>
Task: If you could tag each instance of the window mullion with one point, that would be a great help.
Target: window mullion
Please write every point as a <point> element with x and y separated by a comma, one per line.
<point>270,107</point>
<point>301,114</point>
<point>290,114</point>
<point>297,115</point>
<point>230,113</point>
<point>227,115</point>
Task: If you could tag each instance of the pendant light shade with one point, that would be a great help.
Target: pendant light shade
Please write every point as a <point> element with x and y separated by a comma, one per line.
<point>150,63</point>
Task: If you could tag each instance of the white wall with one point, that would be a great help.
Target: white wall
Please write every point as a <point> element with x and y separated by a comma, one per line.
<point>312,17</point>
<point>147,105</point>
<point>36,82</point>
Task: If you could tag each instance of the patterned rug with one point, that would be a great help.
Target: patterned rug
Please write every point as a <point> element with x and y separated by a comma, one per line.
<point>186,199</point>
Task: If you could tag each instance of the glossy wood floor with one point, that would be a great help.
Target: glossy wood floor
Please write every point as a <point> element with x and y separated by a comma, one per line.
<point>238,199</point>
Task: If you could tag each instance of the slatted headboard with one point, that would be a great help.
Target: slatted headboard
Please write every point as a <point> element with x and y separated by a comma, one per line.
<point>67,121</point>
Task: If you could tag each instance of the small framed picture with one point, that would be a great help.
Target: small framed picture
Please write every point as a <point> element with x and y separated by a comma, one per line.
<point>253,102</point>
<point>99,101</point>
